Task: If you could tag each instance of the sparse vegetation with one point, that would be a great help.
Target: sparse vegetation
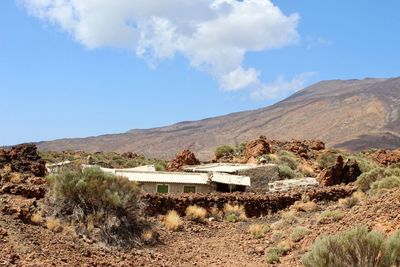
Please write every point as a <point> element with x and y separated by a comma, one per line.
<point>299,233</point>
<point>36,218</point>
<point>54,224</point>
<point>274,254</point>
<point>365,180</point>
<point>196,213</point>
<point>289,217</point>
<point>330,215</point>
<point>259,230</point>
<point>285,171</point>
<point>357,247</point>
<point>223,151</point>
<point>94,199</point>
<point>348,202</point>
<point>234,213</point>
<point>328,158</point>
<point>385,183</point>
<point>172,221</point>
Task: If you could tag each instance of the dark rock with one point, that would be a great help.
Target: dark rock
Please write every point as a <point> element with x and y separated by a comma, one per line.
<point>340,173</point>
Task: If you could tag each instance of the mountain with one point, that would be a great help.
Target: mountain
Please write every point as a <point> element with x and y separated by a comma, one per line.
<point>347,114</point>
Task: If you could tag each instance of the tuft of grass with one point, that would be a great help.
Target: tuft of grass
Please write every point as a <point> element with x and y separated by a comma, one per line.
<point>289,217</point>
<point>196,213</point>
<point>309,206</point>
<point>234,213</point>
<point>306,170</point>
<point>259,230</point>
<point>54,225</point>
<point>330,215</point>
<point>273,257</point>
<point>299,233</point>
<point>172,221</point>
<point>36,218</point>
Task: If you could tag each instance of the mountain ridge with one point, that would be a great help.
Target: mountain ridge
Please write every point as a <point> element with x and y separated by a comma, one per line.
<point>348,114</point>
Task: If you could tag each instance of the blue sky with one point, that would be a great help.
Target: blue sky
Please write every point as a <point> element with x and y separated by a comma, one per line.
<point>58,80</point>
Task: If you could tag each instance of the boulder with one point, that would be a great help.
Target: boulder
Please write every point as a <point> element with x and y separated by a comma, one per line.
<point>340,173</point>
<point>388,157</point>
<point>23,159</point>
<point>256,148</point>
<point>185,157</point>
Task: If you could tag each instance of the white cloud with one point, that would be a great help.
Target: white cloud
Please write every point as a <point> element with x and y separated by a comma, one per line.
<point>281,87</point>
<point>214,35</point>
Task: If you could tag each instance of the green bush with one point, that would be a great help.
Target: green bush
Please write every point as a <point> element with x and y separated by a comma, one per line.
<point>272,257</point>
<point>239,150</point>
<point>223,151</point>
<point>385,183</point>
<point>364,162</point>
<point>327,159</point>
<point>357,248</point>
<point>285,171</point>
<point>365,180</point>
<point>101,200</point>
<point>299,233</point>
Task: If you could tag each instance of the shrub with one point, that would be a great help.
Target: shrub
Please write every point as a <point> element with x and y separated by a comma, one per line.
<point>234,213</point>
<point>289,161</point>
<point>330,215</point>
<point>216,213</point>
<point>223,151</point>
<point>239,150</point>
<point>366,164</point>
<point>53,224</point>
<point>299,233</point>
<point>289,217</point>
<point>385,183</point>
<point>348,202</point>
<point>196,213</point>
<point>309,206</point>
<point>274,254</point>
<point>272,257</point>
<point>285,171</point>
<point>392,250</point>
<point>356,247</point>
<point>259,230</point>
<point>36,218</point>
<point>172,221</point>
<point>306,170</point>
<point>327,159</point>
<point>99,200</point>
<point>365,180</point>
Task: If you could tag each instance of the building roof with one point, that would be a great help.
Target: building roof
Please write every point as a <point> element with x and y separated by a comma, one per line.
<point>221,167</point>
<point>177,177</point>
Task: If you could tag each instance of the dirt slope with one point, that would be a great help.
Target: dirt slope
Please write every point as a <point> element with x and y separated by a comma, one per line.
<point>351,114</point>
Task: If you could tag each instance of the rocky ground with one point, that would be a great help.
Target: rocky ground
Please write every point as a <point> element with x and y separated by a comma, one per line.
<point>26,239</point>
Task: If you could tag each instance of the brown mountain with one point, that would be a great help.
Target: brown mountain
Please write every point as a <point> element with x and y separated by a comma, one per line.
<point>351,114</point>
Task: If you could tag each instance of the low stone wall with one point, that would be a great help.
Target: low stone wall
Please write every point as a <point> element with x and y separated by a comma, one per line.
<point>255,204</point>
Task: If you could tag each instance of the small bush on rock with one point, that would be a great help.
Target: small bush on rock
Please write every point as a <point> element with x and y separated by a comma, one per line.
<point>223,151</point>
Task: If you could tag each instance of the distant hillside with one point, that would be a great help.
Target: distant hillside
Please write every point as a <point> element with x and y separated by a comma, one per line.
<point>351,114</point>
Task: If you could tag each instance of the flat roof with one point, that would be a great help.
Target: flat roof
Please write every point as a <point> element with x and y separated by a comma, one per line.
<point>221,167</point>
<point>177,177</point>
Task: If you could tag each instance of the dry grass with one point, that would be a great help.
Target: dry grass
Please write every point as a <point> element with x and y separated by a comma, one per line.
<point>347,202</point>
<point>289,217</point>
<point>330,215</point>
<point>36,218</point>
<point>196,213</point>
<point>259,230</point>
<point>234,213</point>
<point>54,225</point>
<point>309,206</point>
<point>147,235</point>
<point>359,195</point>
<point>172,221</point>
<point>216,213</point>
<point>306,170</point>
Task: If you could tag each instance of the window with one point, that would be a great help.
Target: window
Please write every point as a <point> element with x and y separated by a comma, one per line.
<point>162,188</point>
<point>189,189</point>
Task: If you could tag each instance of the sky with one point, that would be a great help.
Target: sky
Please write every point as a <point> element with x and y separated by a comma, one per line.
<point>77,68</point>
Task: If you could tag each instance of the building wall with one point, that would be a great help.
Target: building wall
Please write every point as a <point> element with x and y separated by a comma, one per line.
<point>176,188</point>
<point>261,176</point>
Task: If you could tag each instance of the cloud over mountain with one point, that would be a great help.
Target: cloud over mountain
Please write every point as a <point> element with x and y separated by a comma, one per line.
<point>214,35</point>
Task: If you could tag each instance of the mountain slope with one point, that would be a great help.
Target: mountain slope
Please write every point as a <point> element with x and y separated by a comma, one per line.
<point>351,114</point>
